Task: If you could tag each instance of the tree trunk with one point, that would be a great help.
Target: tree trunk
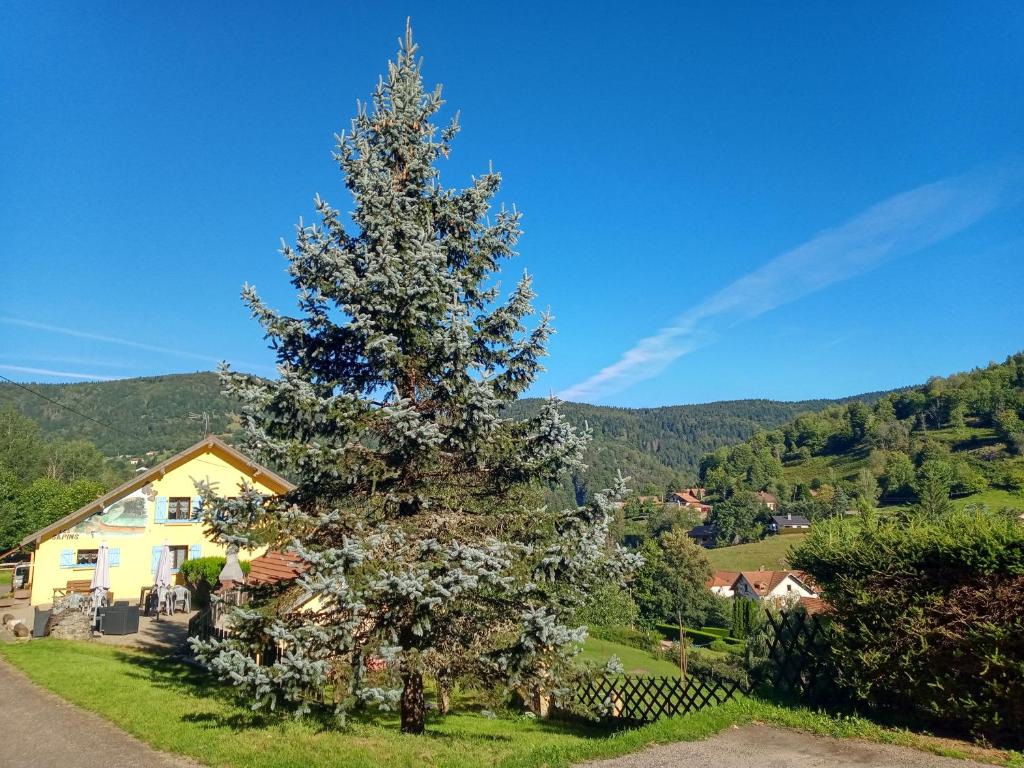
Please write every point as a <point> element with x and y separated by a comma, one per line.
<point>444,694</point>
<point>682,647</point>
<point>414,711</point>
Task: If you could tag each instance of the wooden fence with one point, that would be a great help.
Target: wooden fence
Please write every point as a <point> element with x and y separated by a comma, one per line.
<point>206,625</point>
<point>800,661</point>
<point>642,699</point>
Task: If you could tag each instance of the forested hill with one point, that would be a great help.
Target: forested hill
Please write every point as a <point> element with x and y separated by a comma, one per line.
<point>154,413</point>
<point>661,447</point>
<point>955,440</point>
<point>656,447</point>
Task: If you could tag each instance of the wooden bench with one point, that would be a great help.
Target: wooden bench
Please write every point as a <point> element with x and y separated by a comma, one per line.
<point>74,587</point>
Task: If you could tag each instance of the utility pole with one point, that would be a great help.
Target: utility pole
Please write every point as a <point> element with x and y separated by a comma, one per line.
<point>203,417</point>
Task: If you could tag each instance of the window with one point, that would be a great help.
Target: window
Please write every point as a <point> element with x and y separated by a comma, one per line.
<point>86,556</point>
<point>179,508</point>
<point>178,556</point>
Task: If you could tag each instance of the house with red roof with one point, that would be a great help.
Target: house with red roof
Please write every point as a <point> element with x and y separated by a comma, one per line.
<point>692,498</point>
<point>781,588</point>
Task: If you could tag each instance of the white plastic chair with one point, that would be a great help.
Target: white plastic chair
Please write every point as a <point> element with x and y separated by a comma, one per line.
<point>181,596</point>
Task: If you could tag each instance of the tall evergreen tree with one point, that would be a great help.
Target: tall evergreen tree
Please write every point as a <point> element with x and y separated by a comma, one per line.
<point>413,510</point>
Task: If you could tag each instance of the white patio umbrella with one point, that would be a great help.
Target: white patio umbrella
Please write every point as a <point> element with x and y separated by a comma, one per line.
<point>163,575</point>
<point>100,576</point>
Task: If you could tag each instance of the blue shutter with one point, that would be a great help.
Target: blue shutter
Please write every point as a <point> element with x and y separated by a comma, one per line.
<point>114,556</point>
<point>194,551</point>
<point>156,559</point>
<point>197,507</point>
<point>161,509</point>
<point>67,559</point>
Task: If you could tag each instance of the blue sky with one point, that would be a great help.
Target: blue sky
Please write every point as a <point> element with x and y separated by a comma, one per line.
<point>780,200</point>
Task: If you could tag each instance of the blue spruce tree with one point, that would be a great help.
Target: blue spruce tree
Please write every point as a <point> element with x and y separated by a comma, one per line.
<point>415,509</point>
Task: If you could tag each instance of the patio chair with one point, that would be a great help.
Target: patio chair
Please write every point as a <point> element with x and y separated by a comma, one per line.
<point>181,598</point>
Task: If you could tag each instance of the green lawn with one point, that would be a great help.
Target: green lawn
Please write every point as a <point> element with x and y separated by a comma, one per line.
<point>770,552</point>
<point>635,661</point>
<point>6,576</point>
<point>996,499</point>
<point>176,708</point>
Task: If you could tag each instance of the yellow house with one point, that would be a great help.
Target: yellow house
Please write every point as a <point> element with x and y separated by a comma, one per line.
<point>135,520</point>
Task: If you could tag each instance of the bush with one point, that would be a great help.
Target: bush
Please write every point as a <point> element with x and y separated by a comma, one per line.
<point>730,668</point>
<point>696,637</point>
<point>609,605</point>
<point>202,576</point>
<point>928,617</point>
<point>724,646</point>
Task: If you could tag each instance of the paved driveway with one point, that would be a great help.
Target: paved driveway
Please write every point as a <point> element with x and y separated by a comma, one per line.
<point>759,746</point>
<point>41,730</point>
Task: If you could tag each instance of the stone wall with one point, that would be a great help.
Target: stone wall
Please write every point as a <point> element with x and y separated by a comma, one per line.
<point>68,623</point>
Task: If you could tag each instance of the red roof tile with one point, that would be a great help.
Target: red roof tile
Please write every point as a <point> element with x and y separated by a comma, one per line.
<point>274,567</point>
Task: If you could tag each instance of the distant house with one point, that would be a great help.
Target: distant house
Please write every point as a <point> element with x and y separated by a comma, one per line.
<point>788,523</point>
<point>777,587</point>
<point>770,500</point>
<point>705,535</point>
<point>691,498</point>
<point>721,582</point>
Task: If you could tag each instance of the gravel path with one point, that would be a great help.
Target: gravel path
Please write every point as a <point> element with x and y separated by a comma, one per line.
<point>759,746</point>
<point>41,730</point>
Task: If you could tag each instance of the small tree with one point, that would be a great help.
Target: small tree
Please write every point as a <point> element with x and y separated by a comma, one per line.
<point>415,507</point>
<point>934,480</point>
<point>686,571</point>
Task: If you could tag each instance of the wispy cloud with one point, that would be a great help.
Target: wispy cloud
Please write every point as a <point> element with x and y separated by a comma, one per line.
<point>74,332</point>
<point>103,338</point>
<point>74,361</point>
<point>898,226</point>
<point>55,374</point>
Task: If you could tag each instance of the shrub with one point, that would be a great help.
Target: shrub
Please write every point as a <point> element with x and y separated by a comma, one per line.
<point>696,637</point>
<point>609,605</point>
<point>729,668</point>
<point>928,617</point>
<point>202,576</point>
<point>723,646</point>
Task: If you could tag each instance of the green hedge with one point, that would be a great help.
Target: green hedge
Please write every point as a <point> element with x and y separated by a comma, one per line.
<point>202,576</point>
<point>695,636</point>
<point>927,617</point>
<point>719,631</point>
<point>727,647</point>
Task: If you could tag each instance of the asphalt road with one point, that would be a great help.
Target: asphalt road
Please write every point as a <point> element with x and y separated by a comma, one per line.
<point>759,746</point>
<point>41,730</point>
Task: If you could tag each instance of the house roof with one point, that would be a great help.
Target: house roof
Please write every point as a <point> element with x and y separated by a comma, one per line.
<point>767,498</point>
<point>764,582</point>
<point>274,567</point>
<point>723,578</point>
<point>813,605</point>
<point>793,521</point>
<point>686,496</point>
<point>701,531</point>
<point>232,455</point>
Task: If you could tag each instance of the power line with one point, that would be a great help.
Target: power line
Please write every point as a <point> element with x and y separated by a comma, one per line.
<point>69,408</point>
<point>85,415</point>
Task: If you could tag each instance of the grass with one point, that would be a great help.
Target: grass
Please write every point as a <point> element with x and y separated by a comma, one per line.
<point>635,660</point>
<point>178,709</point>
<point>6,576</point>
<point>770,552</point>
<point>995,498</point>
